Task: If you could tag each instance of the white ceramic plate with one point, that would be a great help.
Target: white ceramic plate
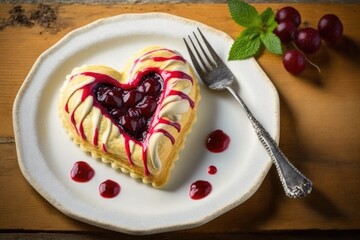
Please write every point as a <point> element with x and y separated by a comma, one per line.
<point>46,154</point>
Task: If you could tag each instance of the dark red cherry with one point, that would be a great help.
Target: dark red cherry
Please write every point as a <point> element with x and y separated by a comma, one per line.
<point>128,123</point>
<point>151,84</point>
<point>330,28</point>
<point>147,107</point>
<point>133,125</point>
<point>286,31</point>
<point>132,108</point>
<point>118,112</point>
<point>109,96</point>
<point>134,112</point>
<point>100,92</point>
<point>308,40</point>
<point>132,97</point>
<point>288,13</point>
<point>294,62</point>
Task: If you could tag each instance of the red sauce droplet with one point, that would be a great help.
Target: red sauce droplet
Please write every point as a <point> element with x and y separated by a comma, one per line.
<point>217,141</point>
<point>212,169</point>
<point>109,189</point>
<point>82,172</point>
<point>199,189</point>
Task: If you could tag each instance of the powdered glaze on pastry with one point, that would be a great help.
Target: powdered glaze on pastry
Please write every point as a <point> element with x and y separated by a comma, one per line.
<point>158,89</point>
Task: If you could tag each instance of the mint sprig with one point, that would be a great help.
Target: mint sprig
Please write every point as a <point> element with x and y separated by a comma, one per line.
<point>258,31</point>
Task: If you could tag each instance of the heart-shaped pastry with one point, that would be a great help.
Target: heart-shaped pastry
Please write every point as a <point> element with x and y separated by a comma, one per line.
<point>136,120</point>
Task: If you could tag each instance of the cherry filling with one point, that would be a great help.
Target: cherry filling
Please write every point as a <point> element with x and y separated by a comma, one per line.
<point>131,109</point>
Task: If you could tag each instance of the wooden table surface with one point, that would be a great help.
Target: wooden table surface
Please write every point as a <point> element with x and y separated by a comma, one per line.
<point>320,132</point>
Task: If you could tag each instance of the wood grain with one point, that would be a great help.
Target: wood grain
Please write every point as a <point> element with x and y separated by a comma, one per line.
<point>320,130</point>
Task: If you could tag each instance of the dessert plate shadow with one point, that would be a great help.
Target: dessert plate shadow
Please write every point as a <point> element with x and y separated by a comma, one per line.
<point>46,154</point>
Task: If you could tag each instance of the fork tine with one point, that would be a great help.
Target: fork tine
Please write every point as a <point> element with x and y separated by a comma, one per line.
<point>193,58</point>
<point>211,50</point>
<point>205,66</point>
<point>210,62</point>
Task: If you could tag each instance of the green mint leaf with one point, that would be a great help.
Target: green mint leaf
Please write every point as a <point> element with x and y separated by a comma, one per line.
<point>245,46</point>
<point>258,31</point>
<point>243,13</point>
<point>268,20</point>
<point>267,16</point>
<point>271,27</point>
<point>271,42</point>
<point>251,33</point>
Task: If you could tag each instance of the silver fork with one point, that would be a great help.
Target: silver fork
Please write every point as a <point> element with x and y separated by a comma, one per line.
<point>215,74</point>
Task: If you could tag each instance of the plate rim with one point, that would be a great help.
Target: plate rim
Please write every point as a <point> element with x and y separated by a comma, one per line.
<point>78,31</point>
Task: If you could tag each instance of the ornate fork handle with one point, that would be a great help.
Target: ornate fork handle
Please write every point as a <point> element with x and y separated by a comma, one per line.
<point>294,182</point>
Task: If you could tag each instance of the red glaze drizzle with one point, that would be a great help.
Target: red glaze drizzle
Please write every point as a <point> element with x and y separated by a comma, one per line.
<point>217,141</point>
<point>166,75</point>
<point>109,189</point>
<point>173,124</point>
<point>163,59</point>
<point>183,96</point>
<point>82,172</point>
<point>199,189</point>
<point>103,146</point>
<point>96,137</point>
<point>167,134</point>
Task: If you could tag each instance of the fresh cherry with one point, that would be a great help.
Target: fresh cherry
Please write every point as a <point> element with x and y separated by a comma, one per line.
<point>330,28</point>
<point>286,31</point>
<point>289,14</point>
<point>308,40</point>
<point>294,61</point>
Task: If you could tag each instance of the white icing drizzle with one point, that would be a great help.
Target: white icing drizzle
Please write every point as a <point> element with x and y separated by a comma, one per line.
<point>78,85</point>
<point>96,118</point>
<point>153,150</point>
<point>106,133</point>
<point>131,149</point>
<point>77,104</point>
<point>88,103</point>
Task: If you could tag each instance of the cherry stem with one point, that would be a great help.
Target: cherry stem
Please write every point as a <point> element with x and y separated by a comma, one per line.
<point>311,63</point>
